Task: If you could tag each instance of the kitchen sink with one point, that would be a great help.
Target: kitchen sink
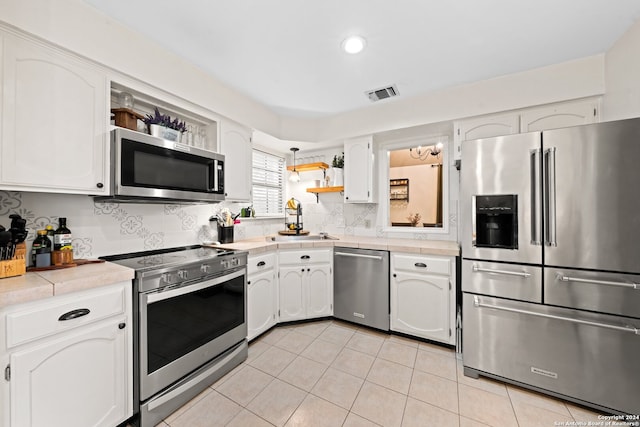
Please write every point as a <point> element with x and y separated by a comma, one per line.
<point>292,238</point>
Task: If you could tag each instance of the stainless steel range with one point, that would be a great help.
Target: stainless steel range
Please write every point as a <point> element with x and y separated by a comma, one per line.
<point>190,323</point>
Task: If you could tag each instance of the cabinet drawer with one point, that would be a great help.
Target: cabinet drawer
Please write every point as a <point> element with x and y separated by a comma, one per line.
<point>421,264</point>
<point>43,319</point>
<point>306,256</point>
<point>257,264</point>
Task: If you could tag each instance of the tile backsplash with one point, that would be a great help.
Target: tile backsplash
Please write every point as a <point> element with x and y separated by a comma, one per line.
<point>112,228</point>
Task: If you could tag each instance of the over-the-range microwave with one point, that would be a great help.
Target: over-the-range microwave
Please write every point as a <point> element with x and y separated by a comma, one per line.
<point>151,169</point>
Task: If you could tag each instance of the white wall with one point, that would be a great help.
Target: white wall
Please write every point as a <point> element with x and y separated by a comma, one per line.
<point>622,77</point>
<point>559,82</point>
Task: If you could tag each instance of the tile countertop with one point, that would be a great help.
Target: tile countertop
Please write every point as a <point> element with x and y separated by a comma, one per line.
<point>425,247</point>
<point>43,284</point>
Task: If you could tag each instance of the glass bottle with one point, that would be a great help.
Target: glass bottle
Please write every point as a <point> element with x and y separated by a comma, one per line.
<point>62,248</point>
<point>41,250</point>
<point>62,237</point>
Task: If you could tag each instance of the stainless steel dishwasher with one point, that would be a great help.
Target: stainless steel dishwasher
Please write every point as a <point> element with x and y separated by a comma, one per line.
<point>361,286</point>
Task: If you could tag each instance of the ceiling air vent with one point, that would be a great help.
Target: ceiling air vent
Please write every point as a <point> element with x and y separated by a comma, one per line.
<point>383,93</point>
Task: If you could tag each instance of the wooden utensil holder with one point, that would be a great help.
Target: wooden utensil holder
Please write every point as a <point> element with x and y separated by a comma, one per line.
<point>17,265</point>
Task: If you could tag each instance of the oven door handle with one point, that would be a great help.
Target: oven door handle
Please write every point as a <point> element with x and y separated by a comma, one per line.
<point>193,287</point>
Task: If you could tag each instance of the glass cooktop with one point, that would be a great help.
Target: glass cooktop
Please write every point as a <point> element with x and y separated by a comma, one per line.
<point>163,258</point>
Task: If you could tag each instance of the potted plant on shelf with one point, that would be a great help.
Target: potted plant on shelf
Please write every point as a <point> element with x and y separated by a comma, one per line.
<point>337,176</point>
<point>162,126</point>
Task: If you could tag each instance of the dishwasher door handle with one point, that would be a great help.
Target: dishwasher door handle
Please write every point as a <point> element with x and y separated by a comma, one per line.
<point>378,257</point>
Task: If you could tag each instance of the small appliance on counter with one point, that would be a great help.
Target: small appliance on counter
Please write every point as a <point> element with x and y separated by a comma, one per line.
<point>293,218</point>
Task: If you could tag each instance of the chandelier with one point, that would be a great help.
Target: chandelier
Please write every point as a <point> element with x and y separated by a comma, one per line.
<point>422,153</point>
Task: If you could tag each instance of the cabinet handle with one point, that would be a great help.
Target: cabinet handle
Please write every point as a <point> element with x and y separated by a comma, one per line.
<point>420,265</point>
<point>74,314</point>
<point>308,269</point>
<point>305,257</point>
<point>122,325</point>
<point>261,263</point>
<point>395,275</point>
<point>302,270</point>
<point>248,282</point>
<point>99,185</point>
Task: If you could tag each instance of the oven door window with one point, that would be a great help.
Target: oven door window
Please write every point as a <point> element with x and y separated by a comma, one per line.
<point>182,323</point>
<point>147,166</point>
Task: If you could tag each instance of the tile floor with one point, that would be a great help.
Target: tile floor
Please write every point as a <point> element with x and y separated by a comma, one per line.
<point>330,373</point>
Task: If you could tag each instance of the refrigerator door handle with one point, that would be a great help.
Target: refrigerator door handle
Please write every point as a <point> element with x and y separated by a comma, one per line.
<point>598,282</point>
<point>550,196</point>
<point>536,198</point>
<point>477,303</point>
<point>477,269</point>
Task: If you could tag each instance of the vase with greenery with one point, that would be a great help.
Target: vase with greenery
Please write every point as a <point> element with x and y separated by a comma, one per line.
<point>338,161</point>
<point>336,173</point>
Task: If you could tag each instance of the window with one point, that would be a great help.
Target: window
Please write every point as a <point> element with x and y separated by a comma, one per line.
<point>267,183</point>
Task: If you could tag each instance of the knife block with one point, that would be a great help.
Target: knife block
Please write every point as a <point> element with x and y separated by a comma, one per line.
<point>17,265</point>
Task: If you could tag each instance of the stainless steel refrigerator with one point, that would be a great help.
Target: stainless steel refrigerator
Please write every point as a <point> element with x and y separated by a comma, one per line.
<point>551,262</point>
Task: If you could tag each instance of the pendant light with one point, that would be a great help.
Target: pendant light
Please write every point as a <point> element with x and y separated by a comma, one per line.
<point>295,176</point>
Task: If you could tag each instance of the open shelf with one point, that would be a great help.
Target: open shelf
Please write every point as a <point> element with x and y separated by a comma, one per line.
<point>318,190</point>
<point>307,167</point>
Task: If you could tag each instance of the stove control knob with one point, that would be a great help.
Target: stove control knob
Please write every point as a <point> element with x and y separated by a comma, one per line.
<point>165,278</point>
<point>204,268</point>
<point>183,274</point>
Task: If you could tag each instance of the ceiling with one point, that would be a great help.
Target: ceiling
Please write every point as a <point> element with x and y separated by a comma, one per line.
<point>286,54</point>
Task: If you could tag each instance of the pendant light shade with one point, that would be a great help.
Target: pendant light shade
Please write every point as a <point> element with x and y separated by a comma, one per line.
<point>295,175</point>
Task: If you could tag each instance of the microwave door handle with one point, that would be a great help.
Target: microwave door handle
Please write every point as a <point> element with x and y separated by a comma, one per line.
<point>536,198</point>
<point>550,196</point>
<point>215,175</point>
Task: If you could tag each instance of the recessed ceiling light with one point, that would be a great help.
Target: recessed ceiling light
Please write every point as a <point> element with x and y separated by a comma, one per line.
<point>353,44</point>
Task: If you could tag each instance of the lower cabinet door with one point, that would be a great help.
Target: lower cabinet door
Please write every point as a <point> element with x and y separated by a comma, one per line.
<point>319,288</point>
<point>79,380</point>
<point>420,305</point>
<point>292,305</point>
<point>261,303</point>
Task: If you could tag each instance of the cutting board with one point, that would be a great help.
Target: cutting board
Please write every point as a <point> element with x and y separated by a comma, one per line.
<point>293,232</point>
<point>76,262</point>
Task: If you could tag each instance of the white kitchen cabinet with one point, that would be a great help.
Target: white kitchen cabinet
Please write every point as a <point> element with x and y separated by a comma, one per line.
<point>552,116</point>
<point>359,184</point>
<point>483,127</point>
<point>235,144</point>
<point>261,294</point>
<point>305,284</point>
<point>54,121</point>
<point>422,296</point>
<point>560,115</point>
<point>74,372</point>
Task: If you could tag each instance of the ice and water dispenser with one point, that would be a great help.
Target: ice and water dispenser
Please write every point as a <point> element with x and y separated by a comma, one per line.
<point>496,221</point>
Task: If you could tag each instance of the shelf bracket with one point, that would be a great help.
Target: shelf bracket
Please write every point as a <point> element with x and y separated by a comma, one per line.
<point>317,197</point>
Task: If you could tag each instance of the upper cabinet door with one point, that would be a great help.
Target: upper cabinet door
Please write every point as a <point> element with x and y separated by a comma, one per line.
<point>483,127</point>
<point>560,116</point>
<point>235,144</point>
<point>358,170</point>
<point>54,121</point>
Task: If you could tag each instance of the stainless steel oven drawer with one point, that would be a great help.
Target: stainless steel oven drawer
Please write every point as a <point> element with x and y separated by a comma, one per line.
<point>596,291</point>
<point>586,356</point>
<point>515,281</point>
